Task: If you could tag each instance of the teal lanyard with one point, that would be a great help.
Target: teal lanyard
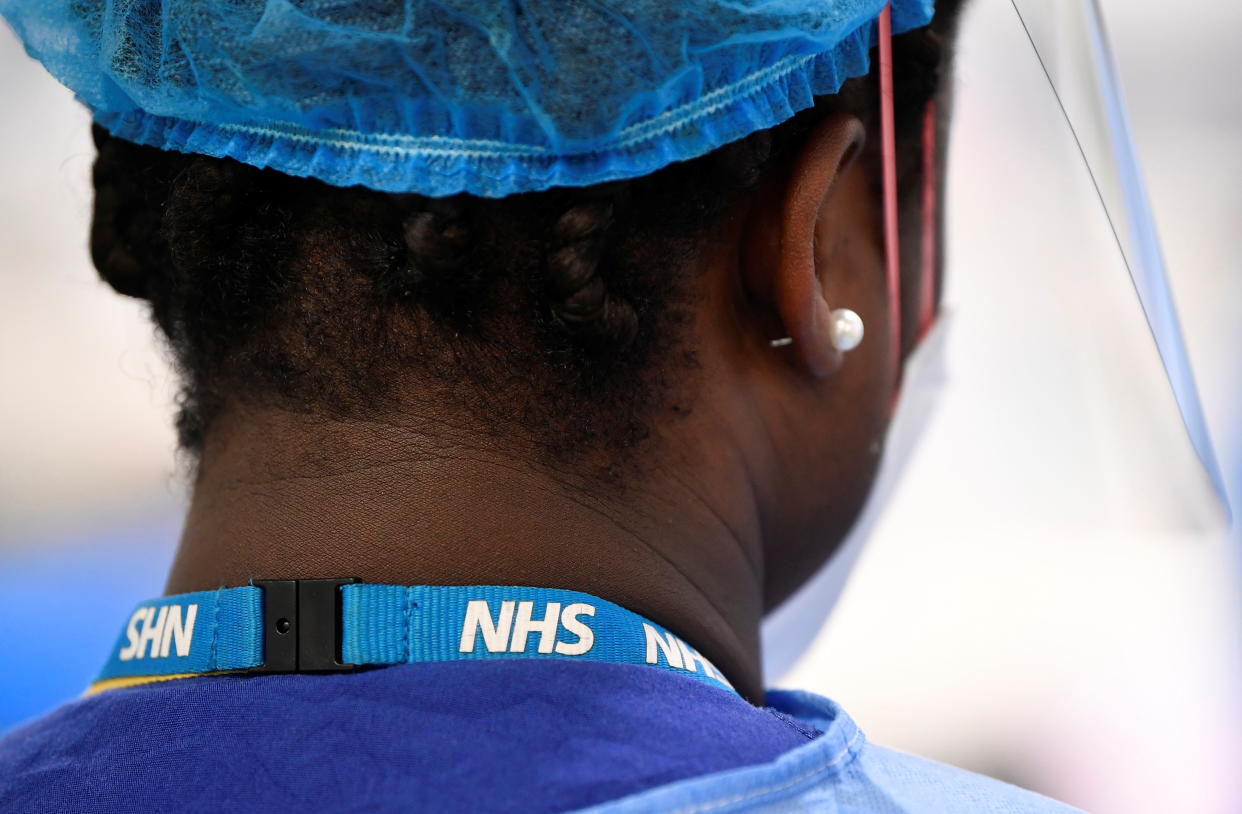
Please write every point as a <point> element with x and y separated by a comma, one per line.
<point>332,625</point>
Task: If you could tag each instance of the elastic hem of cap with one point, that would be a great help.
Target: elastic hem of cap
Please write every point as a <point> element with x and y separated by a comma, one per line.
<point>447,165</point>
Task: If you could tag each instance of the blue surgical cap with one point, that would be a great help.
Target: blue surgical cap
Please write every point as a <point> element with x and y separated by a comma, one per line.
<point>489,97</point>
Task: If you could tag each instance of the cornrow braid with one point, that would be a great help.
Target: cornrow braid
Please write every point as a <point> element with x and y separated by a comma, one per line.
<point>577,285</point>
<point>438,268</point>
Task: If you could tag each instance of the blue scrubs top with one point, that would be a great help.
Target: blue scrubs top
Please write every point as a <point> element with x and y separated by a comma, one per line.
<point>513,735</point>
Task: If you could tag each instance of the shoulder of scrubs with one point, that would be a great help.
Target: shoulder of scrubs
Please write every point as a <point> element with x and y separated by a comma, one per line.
<point>837,772</point>
<point>523,736</point>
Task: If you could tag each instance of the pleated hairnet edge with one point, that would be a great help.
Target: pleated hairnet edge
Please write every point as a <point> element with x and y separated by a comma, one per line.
<point>439,166</point>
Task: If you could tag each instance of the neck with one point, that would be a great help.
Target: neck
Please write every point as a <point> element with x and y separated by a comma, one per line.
<point>433,505</point>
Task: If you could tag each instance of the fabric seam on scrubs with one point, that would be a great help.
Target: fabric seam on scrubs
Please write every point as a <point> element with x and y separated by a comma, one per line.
<point>126,682</point>
<point>810,732</point>
<point>846,751</point>
<point>804,763</point>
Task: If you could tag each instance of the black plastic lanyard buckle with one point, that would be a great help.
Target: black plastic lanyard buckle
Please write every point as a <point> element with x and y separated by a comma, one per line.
<point>302,625</point>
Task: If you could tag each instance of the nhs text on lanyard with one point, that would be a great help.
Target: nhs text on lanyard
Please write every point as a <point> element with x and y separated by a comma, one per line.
<point>339,624</point>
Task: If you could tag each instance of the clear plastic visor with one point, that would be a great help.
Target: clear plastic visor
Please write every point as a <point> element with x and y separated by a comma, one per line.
<point>1069,391</point>
<point>1054,399</point>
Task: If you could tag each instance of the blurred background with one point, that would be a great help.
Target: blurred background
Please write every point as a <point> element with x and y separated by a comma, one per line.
<point>1048,596</point>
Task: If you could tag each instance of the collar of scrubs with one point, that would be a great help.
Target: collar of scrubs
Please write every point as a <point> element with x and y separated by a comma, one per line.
<point>337,625</point>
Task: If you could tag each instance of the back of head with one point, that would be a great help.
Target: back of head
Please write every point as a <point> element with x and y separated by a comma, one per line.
<point>560,318</point>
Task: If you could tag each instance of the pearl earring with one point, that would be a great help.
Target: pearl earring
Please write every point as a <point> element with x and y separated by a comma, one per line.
<point>845,330</point>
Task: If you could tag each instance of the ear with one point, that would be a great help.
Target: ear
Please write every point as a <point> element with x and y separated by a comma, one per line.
<point>778,260</point>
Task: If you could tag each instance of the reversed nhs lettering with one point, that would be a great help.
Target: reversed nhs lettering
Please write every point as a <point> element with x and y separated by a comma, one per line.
<point>678,655</point>
<point>159,630</point>
<point>512,629</point>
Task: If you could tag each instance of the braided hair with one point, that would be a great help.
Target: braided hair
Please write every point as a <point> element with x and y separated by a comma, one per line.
<point>557,316</point>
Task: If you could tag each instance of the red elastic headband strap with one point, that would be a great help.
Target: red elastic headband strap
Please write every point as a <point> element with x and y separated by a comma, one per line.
<point>892,233</point>
<point>888,148</point>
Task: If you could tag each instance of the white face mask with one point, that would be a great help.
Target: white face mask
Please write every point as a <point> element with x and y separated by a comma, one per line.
<point>789,630</point>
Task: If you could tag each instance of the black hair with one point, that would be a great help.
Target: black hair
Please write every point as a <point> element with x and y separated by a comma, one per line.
<point>557,316</point>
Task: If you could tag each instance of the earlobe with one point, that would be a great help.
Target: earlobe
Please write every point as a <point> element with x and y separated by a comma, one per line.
<point>780,265</point>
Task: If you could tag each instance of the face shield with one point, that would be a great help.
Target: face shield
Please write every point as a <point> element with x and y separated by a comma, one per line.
<point>1053,395</point>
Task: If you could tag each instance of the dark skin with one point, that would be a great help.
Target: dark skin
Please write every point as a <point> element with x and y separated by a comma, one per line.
<point>730,509</point>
